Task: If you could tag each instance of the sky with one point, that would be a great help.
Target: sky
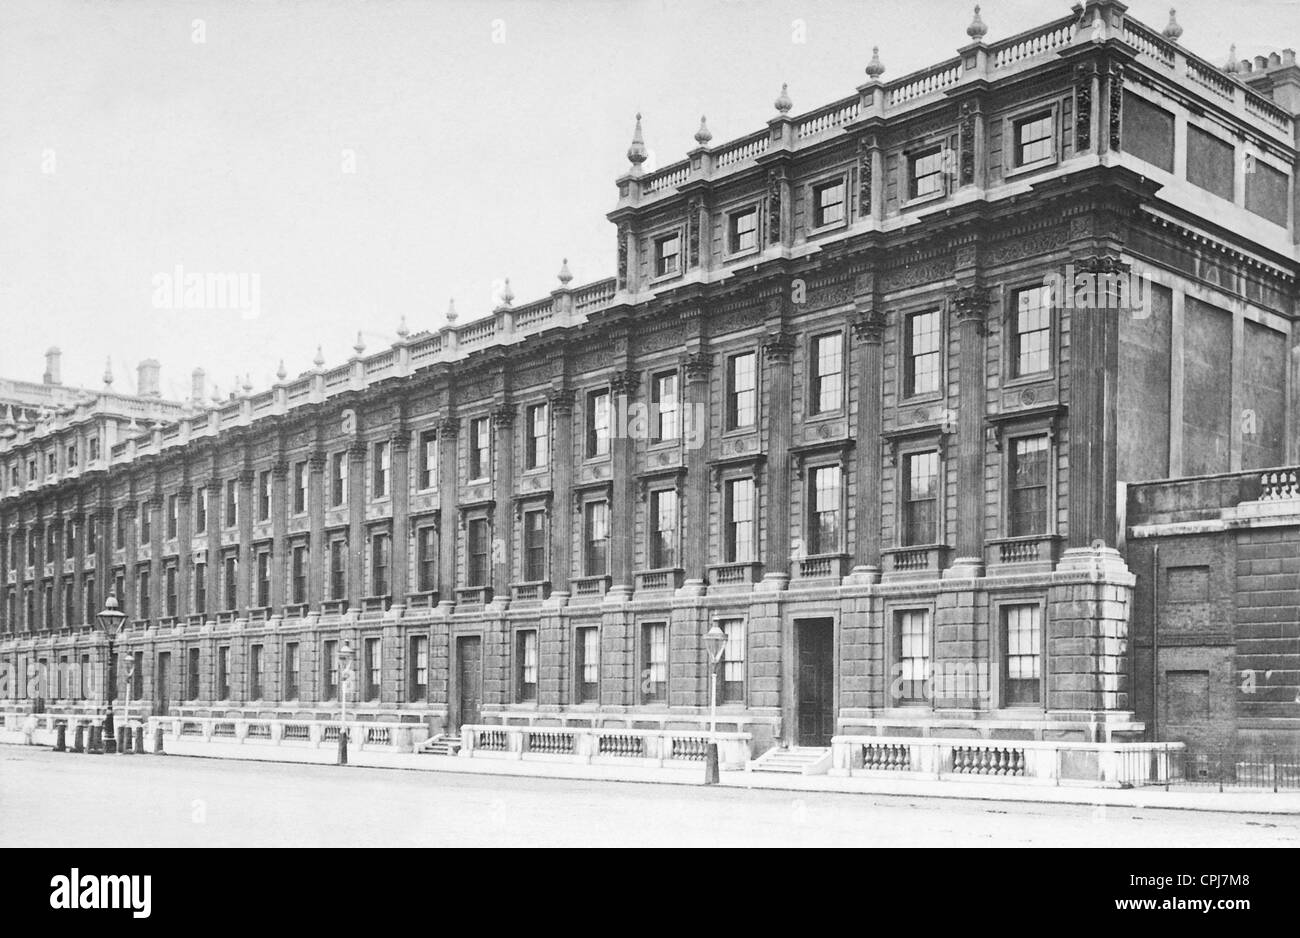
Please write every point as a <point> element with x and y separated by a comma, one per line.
<point>357,161</point>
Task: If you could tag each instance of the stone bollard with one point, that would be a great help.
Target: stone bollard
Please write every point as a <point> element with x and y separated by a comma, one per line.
<point>96,743</point>
<point>79,738</point>
<point>61,737</point>
<point>139,738</point>
<point>158,742</point>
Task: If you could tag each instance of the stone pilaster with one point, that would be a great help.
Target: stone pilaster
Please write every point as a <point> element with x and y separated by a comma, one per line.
<point>868,331</point>
<point>503,484</point>
<point>356,524</point>
<point>777,352</point>
<point>697,366</point>
<point>282,477</point>
<point>317,557</point>
<point>624,388</point>
<point>448,432</point>
<point>561,540</point>
<point>247,568</point>
<point>400,488</point>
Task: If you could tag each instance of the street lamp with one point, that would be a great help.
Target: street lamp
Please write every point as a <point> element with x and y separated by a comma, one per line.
<point>345,678</point>
<point>110,619</point>
<point>715,642</point>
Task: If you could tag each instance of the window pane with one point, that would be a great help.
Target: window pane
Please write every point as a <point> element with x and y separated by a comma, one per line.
<point>828,369</point>
<point>1033,332</point>
<point>922,354</point>
<point>920,494</point>
<point>1029,478</point>
<point>913,654</point>
<point>1022,631</point>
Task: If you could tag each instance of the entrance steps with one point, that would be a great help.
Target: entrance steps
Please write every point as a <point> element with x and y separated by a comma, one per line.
<point>795,760</point>
<point>444,744</point>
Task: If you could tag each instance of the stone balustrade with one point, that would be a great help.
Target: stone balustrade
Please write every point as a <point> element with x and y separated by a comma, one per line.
<point>660,748</point>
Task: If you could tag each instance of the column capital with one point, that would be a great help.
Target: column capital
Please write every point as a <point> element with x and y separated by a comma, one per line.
<point>697,365</point>
<point>625,383</point>
<point>869,327</point>
<point>317,461</point>
<point>357,449</point>
<point>561,401</point>
<point>448,427</point>
<point>503,415</point>
<point>971,305</point>
<point>778,347</point>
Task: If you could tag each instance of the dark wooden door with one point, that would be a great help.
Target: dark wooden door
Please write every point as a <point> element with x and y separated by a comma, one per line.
<point>815,648</point>
<point>162,697</point>
<point>470,678</point>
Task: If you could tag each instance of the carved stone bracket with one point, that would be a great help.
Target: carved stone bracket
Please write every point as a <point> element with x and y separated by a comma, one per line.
<point>1083,109</point>
<point>773,206</point>
<point>1115,82</point>
<point>581,494</point>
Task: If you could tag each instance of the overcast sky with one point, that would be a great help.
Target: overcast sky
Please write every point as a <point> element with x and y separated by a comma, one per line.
<point>368,160</point>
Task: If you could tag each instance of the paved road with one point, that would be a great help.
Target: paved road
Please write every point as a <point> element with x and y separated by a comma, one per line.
<point>53,799</point>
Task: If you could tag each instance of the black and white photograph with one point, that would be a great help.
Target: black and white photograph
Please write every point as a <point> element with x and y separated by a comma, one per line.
<point>651,424</point>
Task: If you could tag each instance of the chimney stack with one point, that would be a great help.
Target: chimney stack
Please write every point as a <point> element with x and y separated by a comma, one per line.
<point>53,366</point>
<point>198,382</point>
<point>147,384</point>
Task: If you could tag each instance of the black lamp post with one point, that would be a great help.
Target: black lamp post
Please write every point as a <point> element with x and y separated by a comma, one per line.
<point>345,681</point>
<point>715,641</point>
<point>110,619</point>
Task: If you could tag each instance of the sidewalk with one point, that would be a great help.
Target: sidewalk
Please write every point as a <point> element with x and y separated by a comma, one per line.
<point>1186,798</point>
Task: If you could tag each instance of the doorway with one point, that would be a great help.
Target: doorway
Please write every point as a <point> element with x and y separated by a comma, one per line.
<point>469,677</point>
<point>815,681</point>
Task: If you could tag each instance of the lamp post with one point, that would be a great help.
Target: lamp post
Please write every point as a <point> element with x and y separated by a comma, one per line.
<point>345,679</point>
<point>110,620</point>
<point>715,642</point>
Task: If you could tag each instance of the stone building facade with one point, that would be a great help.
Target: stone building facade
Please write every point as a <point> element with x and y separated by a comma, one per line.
<point>862,392</point>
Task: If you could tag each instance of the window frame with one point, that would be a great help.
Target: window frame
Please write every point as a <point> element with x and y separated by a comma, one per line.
<point>906,367</point>
<point>417,690</point>
<point>586,541</point>
<point>894,654</point>
<point>739,698</point>
<point>471,525</point>
<point>1009,433</point>
<point>522,666</point>
<point>643,651</point>
<point>381,470</point>
<point>426,478</point>
<point>1011,124</point>
<point>731,250</point>
<point>478,466</point>
<point>591,438</point>
<point>726,509</point>
<point>537,457</point>
<point>817,223</point>
<point>526,558</point>
<point>657,436</point>
<point>812,408</point>
<point>662,237</point>
<point>426,565</point>
<point>998,647</point>
<point>580,664</point>
<point>1011,342</point>
<point>917,447</point>
<point>729,419</point>
<point>653,554</point>
<point>810,513</point>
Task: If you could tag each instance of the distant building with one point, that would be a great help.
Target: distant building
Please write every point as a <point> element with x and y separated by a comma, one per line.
<point>864,392</point>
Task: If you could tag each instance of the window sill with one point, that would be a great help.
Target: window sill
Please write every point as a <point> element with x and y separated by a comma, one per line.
<point>1036,377</point>
<point>920,200</point>
<point>658,279</point>
<point>1045,163</point>
<point>740,255</point>
<point>829,228</point>
<point>932,397</point>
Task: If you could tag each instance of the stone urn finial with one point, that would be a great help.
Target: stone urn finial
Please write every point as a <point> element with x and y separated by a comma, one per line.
<point>977,30</point>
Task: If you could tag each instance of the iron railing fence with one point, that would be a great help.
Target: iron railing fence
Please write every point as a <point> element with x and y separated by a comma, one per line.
<point>1262,770</point>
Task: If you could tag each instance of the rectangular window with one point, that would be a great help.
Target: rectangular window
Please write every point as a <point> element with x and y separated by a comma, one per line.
<point>1034,138</point>
<point>119,535</point>
<point>537,451</point>
<point>232,503</point>
<point>480,448</point>
<point>255,672</point>
<point>169,582</point>
<point>338,569</point>
<point>426,558</point>
<point>192,675</point>
<point>201,510</point>
<point>526,666</point>
<point>72,456</point>
<point>200,588</point>
<point>143,593</point>
<point>69,604</point>
<point>428,460</point>
<point>380,546</point>
<point>338,479</point>
<point>667,255</point>
<point>920,498</point>
<point>731,687</point>
<point>1022,639</point>
<point>926,173</point>
<point>825,523</point>
<point>742,390</point>
<point>663,398</point>
<point>738,521</point>
<point>231,585</point>
<point>48,604</point>
<point>92,539</point>
<point>827,374</point>
<point>70,540</point>
<point>595,539</point>
<point>478,552</point>
<point>173,515</point>
<point>291,671</point>
<point>654,663</point>
<point>742,231</point>
<point>263,579</point>
<point>380,465</point>
<point>534,546</point>
<point>663,529</point>
<point>331,670</point>
<point>264,482</point>
<point>223,672</point>
<point>137,676</point>
<point>828,203</point>
<point>597,423</point>
<point>298,574</point>
<point>1031,340</point>
<point>419,668</point>
<point>587,665</point>
<point>93,447</point>
<point>146,527</point>
<point>88,608</point>
<point>373,664</point>
<point>300,488</point>
<point>913,637</point>
<point>921,354</point>
<point>1029,467</point>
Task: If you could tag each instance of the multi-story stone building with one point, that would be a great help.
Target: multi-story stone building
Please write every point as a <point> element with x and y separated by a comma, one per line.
<point>863,393</point>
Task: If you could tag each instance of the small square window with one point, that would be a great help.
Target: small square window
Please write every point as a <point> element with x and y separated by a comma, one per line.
<point>1034,139</point>
<point>742,231</point>
<point>828,203</point>
<point>926,173</point>
<point>668,255</point>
